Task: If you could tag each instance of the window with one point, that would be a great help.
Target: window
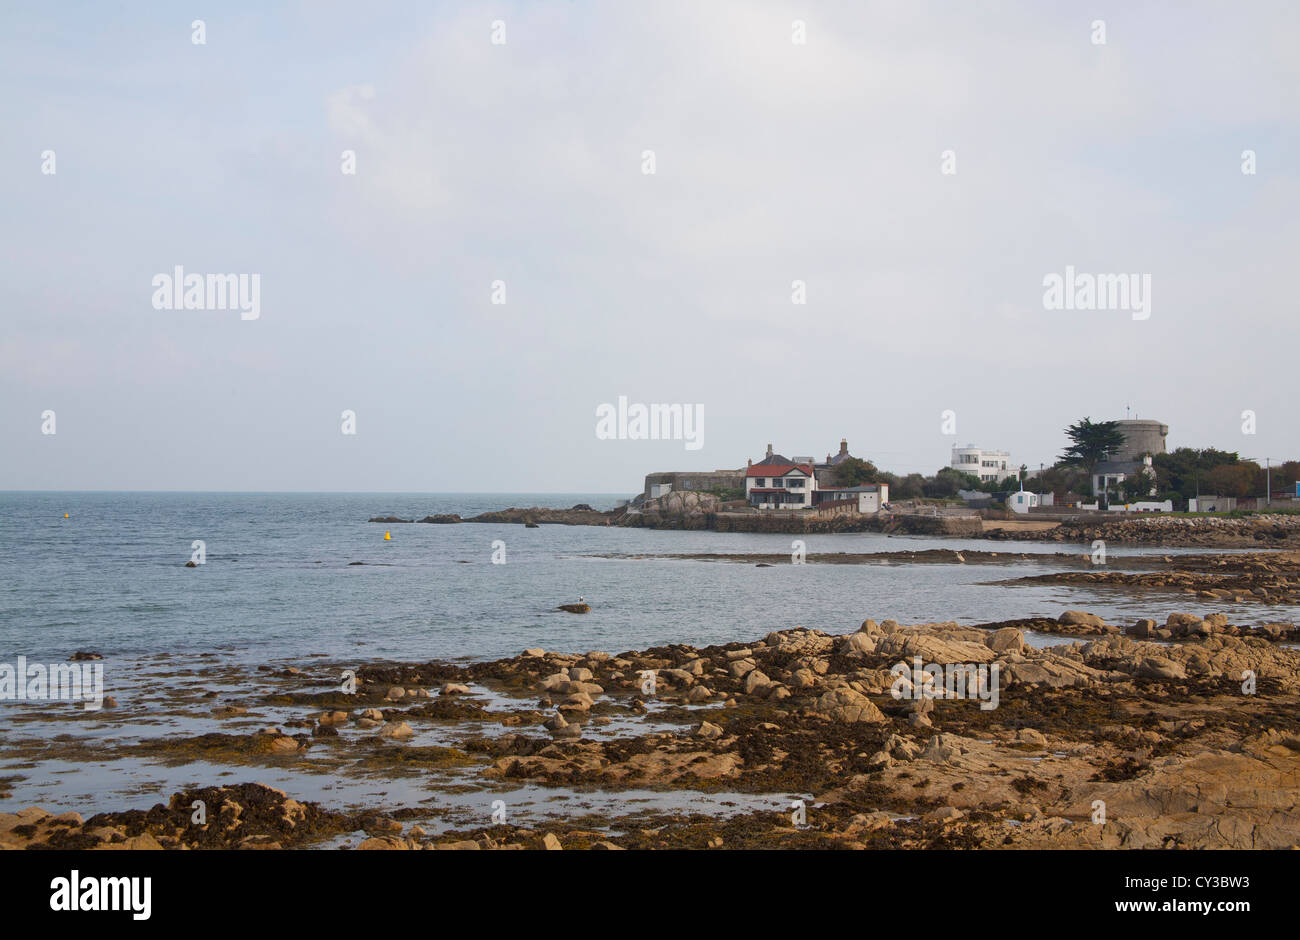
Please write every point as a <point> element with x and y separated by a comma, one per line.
<point>777,481</point>
<point>794,483</point>
<point>758,481</point>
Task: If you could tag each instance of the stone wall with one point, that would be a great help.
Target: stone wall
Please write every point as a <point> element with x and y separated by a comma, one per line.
<point>697,481</point>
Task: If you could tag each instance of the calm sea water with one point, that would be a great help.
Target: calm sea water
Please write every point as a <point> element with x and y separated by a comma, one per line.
<point>278,584</point>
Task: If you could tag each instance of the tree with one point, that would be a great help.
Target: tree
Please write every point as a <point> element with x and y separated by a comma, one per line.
<point>1090,443</point>
<point>947,481</point>
<point>911,486</point>
<point>1236,479</point>
<point>1137,486</point>
<point>852,471</point>
<point>1186,470</point>
<point>1061,480</point>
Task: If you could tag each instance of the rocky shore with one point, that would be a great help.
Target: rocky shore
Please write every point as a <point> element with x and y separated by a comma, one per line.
<point>693,511</point>
<point>1263,577</point>
<point>1184,735</point>
<point>1271,530</point>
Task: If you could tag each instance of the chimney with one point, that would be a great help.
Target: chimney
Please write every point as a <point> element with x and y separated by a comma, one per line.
<point>749,463</point>
<point>769,450</point>
<point>844,446</point>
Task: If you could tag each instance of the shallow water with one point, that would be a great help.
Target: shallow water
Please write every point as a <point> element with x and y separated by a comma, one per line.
<point>278,588</point>
<point>277,583</point>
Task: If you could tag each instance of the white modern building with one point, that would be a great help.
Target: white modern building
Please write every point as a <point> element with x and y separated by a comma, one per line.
<point>988,465</point>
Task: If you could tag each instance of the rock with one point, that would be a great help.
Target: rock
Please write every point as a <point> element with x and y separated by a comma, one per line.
<point>1143,629</point>
<point>1030,736</point>
<point>382,843</point>
<point>1079,618</point>
<point>1158,667</point>
<point>396,693</point>
<point>551,843</point>
<point>397,730</point>
<point>454,688</point>
<point>738,667</point>
<point>755,679</point>
<point>941,749</point>
<point>1008,639</point>
<point>847,705</point>
<point>708,731</point>
<point>862,644</point>
<point>284,743</point>
<point>944,815</point>
<point>869,822</point>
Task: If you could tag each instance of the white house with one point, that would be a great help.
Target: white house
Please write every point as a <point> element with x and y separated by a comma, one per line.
<point>1107,475</point>
<point>780,485</point>
<point>1022,501</point>
<point>985,464</point>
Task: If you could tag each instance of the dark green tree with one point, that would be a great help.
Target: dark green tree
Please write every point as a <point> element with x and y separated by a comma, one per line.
<point>947,481</point>
<point>852,471</point>
<point>1091,443</point>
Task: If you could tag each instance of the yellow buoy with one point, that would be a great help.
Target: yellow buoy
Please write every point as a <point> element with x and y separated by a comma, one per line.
<point>65,515</point>
<point>388,536</point>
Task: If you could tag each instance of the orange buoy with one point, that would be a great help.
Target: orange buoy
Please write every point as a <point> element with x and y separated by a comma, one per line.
<point>388,536</point>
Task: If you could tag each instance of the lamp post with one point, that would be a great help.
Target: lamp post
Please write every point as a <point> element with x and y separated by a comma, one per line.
<point>1268,478</point>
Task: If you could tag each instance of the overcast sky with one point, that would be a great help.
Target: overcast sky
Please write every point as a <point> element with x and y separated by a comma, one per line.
<point>522,162</point>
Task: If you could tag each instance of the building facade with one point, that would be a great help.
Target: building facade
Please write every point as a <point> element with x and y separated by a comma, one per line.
<point>780,485</point>
<point>988,465</point>
<point>1107,475</point>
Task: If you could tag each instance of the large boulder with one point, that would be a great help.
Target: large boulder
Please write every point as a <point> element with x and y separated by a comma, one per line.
<point>845,704</point>
<point>1006,640</point>
<point>1081,618</point>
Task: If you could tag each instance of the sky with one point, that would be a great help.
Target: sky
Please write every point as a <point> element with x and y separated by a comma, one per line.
<point>516,170</point>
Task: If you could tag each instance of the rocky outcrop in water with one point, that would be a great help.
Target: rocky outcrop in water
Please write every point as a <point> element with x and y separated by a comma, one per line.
<point>1272,530</point>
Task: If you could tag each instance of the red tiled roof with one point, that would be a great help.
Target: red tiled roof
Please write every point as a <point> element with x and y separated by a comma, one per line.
<point>777,469</point>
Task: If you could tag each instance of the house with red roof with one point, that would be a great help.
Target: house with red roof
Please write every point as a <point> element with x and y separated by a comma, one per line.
<point>776,482</point>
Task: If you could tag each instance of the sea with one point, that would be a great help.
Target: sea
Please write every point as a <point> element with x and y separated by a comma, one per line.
<point>303,580</point>
<point>280,579</point>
